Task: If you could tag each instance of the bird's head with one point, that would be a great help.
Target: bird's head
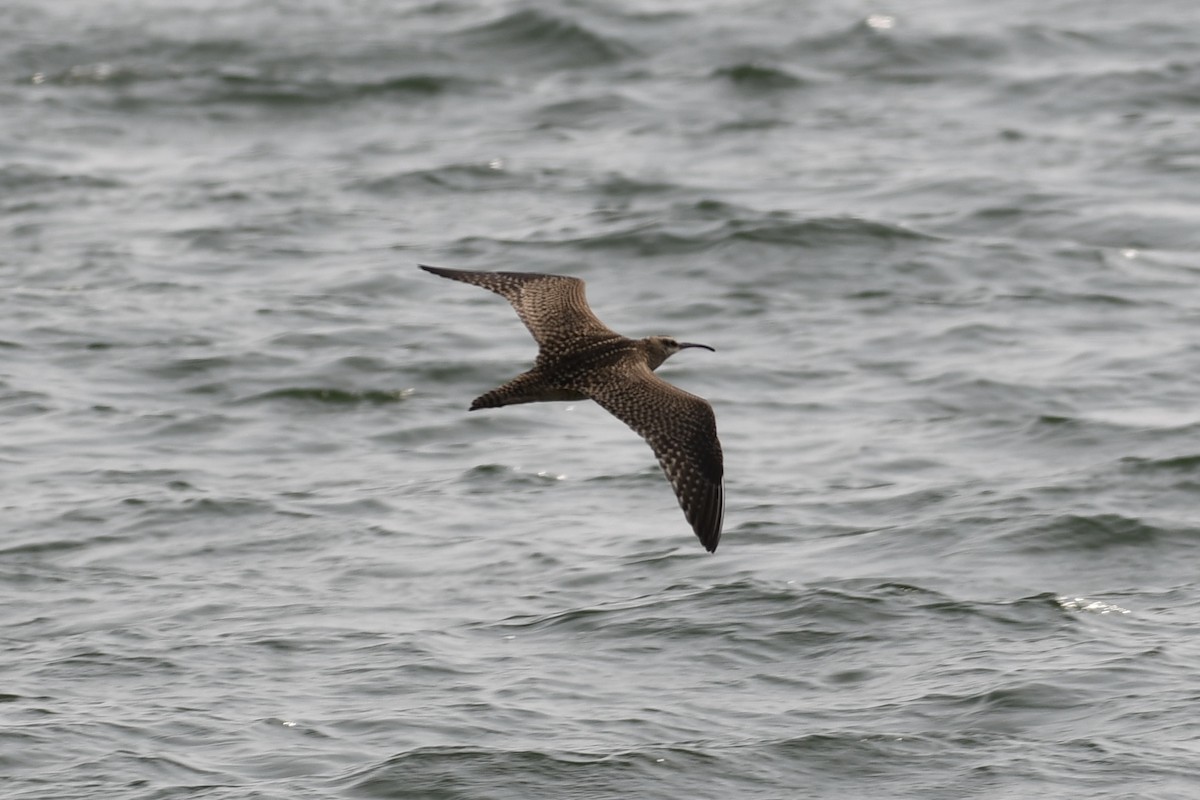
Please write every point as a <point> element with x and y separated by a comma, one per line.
<point>660,348</point>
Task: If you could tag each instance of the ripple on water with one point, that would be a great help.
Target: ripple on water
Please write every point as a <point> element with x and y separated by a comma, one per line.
<point>535,39</point>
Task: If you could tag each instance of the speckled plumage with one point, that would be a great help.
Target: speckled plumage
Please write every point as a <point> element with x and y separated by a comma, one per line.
<point>581,358</point>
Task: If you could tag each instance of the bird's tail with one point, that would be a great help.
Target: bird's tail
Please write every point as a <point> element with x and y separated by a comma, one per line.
<point>528,387</point>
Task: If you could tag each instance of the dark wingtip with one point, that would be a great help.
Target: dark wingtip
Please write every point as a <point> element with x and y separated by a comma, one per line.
<point>443,272</point>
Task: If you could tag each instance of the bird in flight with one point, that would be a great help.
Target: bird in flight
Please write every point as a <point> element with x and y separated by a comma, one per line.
<point>580,358</point>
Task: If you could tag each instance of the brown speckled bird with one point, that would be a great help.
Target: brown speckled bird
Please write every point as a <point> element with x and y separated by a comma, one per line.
<point>580,358</point>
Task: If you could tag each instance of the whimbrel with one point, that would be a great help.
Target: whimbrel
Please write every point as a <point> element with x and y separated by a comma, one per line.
<point>580,358</point>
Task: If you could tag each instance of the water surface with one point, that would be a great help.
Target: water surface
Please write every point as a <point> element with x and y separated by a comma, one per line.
<point>253,545</point>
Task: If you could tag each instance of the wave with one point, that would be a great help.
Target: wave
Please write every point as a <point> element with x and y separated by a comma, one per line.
<point>1100,532</point>
<point>1173,84</point>
<point>1185,464</point>
<point>267,84</point>
<point>282,90</point>
<point>755,77</point>
<point>17,177</point>
<point>467,177</point>
<point>330,396</point>
<point>465,771</point>
<point>901,54</point>
<point>539,39</point>
<point>769,612</point>
<point>697,228</point>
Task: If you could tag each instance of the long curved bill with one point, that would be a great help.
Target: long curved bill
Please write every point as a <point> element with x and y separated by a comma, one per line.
<point>683,345</point>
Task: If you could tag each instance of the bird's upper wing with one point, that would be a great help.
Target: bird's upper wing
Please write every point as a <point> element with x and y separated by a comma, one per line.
<point>682,431</point>
<point>553,307</point>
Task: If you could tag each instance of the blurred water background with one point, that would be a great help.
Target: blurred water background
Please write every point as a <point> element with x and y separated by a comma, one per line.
<point>253,546</point>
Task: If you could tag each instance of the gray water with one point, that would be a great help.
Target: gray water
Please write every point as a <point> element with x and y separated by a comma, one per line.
<point>253,546</point>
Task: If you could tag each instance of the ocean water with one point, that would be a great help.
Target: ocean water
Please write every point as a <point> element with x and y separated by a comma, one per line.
<point>252,545</point>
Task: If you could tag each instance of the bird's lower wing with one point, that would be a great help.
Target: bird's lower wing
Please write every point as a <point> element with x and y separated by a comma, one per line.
<point>682,431</point>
